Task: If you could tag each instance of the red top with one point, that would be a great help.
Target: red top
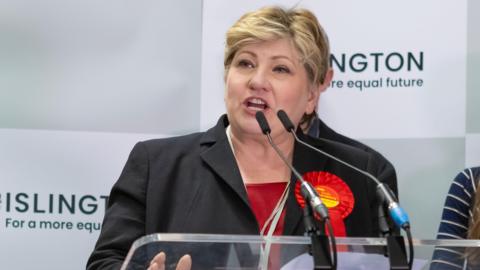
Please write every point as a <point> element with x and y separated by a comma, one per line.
<point>263,198</point>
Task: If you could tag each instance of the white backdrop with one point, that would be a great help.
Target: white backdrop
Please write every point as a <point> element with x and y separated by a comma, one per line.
<point>406,112</point>
<point>82,81</point>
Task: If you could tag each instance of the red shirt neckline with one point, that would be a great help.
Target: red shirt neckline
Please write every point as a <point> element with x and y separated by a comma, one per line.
<point>263,198</point>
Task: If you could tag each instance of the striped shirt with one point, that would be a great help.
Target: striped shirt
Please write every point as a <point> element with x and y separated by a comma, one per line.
<point>455,219</point>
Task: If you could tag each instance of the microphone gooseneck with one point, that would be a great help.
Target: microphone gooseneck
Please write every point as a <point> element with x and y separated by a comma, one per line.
<point>399,216</point>
<point>319,246</point>
<point>309,193</point>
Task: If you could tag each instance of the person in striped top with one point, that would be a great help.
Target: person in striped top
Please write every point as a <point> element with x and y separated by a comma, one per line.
<point>460,220</point>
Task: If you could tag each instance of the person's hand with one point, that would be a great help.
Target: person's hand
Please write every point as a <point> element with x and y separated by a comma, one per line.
<point>158,262</point>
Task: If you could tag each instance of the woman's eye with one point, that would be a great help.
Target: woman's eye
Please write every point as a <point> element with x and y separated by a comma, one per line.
<point>281,69</point>
<point>245,63</point>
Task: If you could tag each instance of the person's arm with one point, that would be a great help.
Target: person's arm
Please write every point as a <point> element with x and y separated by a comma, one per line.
<point>454,223</point>
<point>124,219</point>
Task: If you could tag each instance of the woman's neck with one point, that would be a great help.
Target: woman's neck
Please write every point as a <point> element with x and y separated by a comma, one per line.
<point>257,160</point>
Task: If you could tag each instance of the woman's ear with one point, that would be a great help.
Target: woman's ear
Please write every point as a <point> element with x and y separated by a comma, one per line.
<point>316,91</point>
<point>326,81</point>
<point>313,96</point>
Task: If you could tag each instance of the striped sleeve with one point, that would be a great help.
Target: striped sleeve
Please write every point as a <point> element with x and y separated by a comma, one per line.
<point>454,222</point>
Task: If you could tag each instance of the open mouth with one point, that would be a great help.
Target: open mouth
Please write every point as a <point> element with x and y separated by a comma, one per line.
<point>256,104</point>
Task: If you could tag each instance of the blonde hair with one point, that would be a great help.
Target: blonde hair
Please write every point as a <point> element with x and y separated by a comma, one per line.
<point>298,25</point>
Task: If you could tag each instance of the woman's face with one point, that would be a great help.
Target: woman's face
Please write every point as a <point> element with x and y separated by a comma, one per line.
<point>267,76</point>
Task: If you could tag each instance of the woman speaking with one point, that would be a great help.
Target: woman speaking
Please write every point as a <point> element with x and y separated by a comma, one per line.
<point>229,180</point>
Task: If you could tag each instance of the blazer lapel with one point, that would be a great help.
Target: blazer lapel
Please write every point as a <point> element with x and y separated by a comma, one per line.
<point>219,156</point>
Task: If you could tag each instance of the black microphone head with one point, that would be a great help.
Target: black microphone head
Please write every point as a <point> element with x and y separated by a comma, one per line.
<point>282,115</point>
<point>262,122</point>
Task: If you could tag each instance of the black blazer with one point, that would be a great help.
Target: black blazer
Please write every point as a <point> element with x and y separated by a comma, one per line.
<point>192,184</point>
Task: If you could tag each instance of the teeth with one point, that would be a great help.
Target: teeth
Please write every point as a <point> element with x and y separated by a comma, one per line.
<point>257,101</point>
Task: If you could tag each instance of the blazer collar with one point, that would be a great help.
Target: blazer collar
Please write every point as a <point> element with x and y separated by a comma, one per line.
<point>219,156</point>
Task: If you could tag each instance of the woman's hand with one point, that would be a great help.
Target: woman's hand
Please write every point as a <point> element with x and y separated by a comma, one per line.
<point>158,262</point>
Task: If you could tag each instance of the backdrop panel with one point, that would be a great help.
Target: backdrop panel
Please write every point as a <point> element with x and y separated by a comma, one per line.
<point>472,149</point>
<point>101,66</point>
<point>404,70</point>
<point>54,188</point>
<point>473,70</point>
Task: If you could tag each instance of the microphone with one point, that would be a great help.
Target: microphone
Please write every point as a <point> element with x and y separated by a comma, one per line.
<point>398,215</point>
<point>308,192</point>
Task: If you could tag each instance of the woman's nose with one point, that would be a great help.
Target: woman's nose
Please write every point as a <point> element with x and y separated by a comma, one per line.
<point>259,80</point>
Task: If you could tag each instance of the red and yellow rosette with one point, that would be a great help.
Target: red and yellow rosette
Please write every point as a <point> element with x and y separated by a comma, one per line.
<point>335,194</point>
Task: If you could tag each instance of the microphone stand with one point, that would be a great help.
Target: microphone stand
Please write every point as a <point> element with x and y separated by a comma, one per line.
<point>319,247</point>
<point>395,250</point>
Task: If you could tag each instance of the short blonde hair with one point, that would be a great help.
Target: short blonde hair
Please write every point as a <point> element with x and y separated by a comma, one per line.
<point>298,25</point>
<point>270,23</point>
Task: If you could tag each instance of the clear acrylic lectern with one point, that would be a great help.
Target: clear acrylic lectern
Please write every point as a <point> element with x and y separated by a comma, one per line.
<point>285,252</point>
